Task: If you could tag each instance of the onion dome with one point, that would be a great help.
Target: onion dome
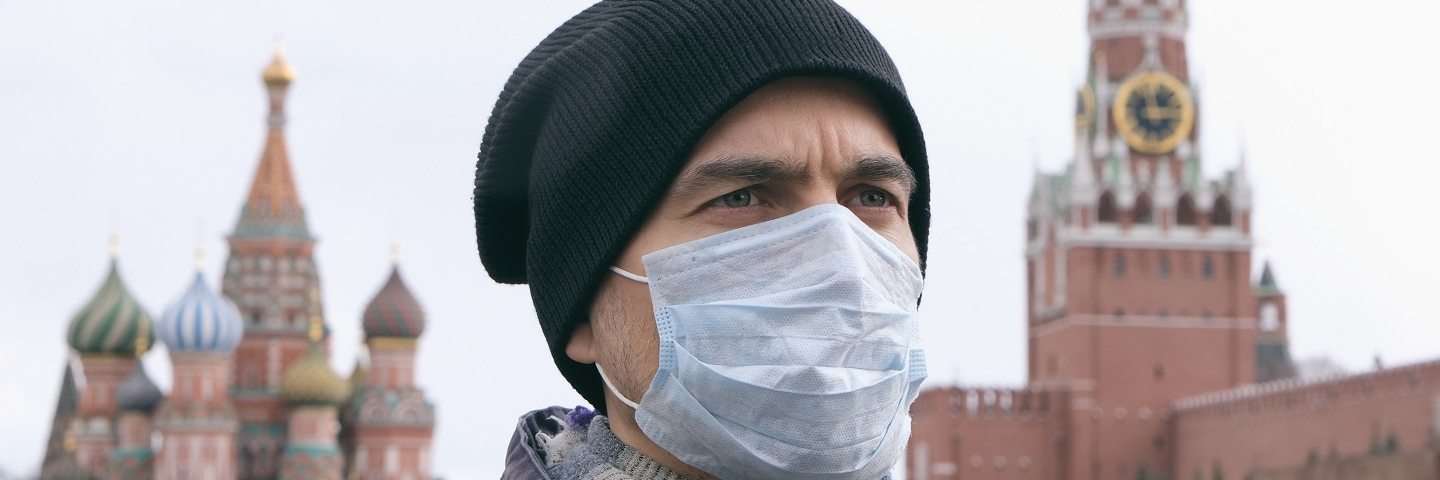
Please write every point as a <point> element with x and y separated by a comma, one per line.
<point>110,322</point>
<point>394,312</point>
<point>137,393</point>
<point>201,321</point>
<point>310,381</point>
<point>278,73</point>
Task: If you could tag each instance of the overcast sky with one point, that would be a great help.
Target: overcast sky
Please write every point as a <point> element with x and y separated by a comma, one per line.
<point>147,118</point>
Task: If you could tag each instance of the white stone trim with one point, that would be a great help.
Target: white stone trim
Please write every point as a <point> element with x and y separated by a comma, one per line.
<point>1142,321</point>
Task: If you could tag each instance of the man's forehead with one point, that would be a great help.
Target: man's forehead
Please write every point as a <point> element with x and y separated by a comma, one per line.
<point>727,170</point>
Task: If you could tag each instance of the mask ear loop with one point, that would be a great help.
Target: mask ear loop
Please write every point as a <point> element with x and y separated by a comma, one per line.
<point>614,390</point>
<point>623,273</point>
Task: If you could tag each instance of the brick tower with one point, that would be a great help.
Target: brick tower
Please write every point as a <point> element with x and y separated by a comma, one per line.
<point>390,418</point>
<point>104,334</point>
<point>197,422</point>
<point>1138,266</point>
<point>1138,283</point>
<point>313,391</point>
<point>136,400</point>
<point>269,274</point>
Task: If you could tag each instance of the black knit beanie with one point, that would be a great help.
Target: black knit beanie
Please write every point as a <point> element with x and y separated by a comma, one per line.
<point>597,121</point>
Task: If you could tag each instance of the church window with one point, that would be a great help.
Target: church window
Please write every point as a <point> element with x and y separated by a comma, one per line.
<point>1220,215</point>
<point>1106,212</point>
<point>1119,264</point>
<point>1164,266</point>
<point>1143,212</point>
<point>1185,211</point>
<point>1207,268</point>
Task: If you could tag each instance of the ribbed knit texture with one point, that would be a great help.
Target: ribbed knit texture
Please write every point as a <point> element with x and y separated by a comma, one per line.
<point>597,121</point>
<point>592,452</point>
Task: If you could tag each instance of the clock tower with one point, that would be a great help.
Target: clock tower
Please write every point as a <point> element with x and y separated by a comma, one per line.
<point>1139,288</point>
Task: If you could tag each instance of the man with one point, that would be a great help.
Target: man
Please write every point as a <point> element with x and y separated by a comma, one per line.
<point>721,209</point>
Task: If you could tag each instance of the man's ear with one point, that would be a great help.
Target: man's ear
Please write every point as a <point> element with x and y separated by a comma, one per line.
<point>581,347</point>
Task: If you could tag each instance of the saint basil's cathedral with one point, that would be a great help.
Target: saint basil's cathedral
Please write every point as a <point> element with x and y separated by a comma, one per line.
<point>253,396</point>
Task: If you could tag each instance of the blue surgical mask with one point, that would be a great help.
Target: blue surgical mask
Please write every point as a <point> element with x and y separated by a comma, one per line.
<point>788,349</point>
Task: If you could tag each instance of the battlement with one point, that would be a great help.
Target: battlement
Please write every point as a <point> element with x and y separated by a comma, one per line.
<point>1296,393</point>
<point>1021,403</point>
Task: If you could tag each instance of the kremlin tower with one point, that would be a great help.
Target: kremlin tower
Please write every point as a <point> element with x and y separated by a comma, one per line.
<point>253,396</point>
<point>1138,281</point>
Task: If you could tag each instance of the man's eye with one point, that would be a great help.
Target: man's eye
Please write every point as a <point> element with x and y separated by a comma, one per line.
<point>873,198</point>
<point>736,199</point>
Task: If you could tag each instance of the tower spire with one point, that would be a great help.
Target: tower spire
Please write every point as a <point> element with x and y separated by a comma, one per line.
<point>114,245</point>
<point>272,208</point>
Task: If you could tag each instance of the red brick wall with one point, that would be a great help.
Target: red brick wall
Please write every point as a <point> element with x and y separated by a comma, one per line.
<point>981,433</point>
<point>1279,424</point>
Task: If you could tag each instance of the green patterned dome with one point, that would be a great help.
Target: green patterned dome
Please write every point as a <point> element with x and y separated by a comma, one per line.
<point>110,322</point>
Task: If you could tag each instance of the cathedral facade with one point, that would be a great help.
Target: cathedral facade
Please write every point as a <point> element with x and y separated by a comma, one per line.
<point>253,396</point>
<point>1152,352</point>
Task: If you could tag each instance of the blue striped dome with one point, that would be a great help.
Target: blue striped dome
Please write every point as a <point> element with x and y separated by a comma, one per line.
<point>201,321</point>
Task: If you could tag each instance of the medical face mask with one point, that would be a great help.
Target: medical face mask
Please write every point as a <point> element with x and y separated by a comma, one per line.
<point>788,349</point>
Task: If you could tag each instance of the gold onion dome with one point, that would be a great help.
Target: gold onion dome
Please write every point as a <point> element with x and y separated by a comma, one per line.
<point>110,322</point>
<point>278,73</point>
<point>310,381</point>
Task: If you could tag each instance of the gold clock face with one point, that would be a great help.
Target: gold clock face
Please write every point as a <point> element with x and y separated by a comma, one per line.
<point>1154,112</point>
<point>1084,108</point>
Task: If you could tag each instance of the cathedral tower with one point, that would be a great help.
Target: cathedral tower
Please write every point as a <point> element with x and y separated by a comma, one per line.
<point>104,333</point>
<point>313,391</point>
<point>269,275</point>
<point>392,421</point>
<point>197,422</point>
<point>136,399</point>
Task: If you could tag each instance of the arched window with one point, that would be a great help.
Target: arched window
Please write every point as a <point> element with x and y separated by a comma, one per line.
<point>1106,211</point>
<point>1220,215</point>
<point>1143,212</point>
<point>1185,210</point>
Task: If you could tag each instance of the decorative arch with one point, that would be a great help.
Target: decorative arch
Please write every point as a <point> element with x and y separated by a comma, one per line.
<point>1107,212</point>
<point>1185,211</point>
<point>1221,215</point>
<point>1144,211</point>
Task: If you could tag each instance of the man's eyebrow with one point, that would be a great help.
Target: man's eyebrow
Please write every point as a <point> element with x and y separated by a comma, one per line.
<point>884,168</point>
<point>734,172</point>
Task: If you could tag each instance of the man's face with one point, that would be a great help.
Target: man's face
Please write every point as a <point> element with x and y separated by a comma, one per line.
<point>793,144</point>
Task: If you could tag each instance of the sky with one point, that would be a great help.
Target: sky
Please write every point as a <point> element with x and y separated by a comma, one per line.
<point>146,118</point>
